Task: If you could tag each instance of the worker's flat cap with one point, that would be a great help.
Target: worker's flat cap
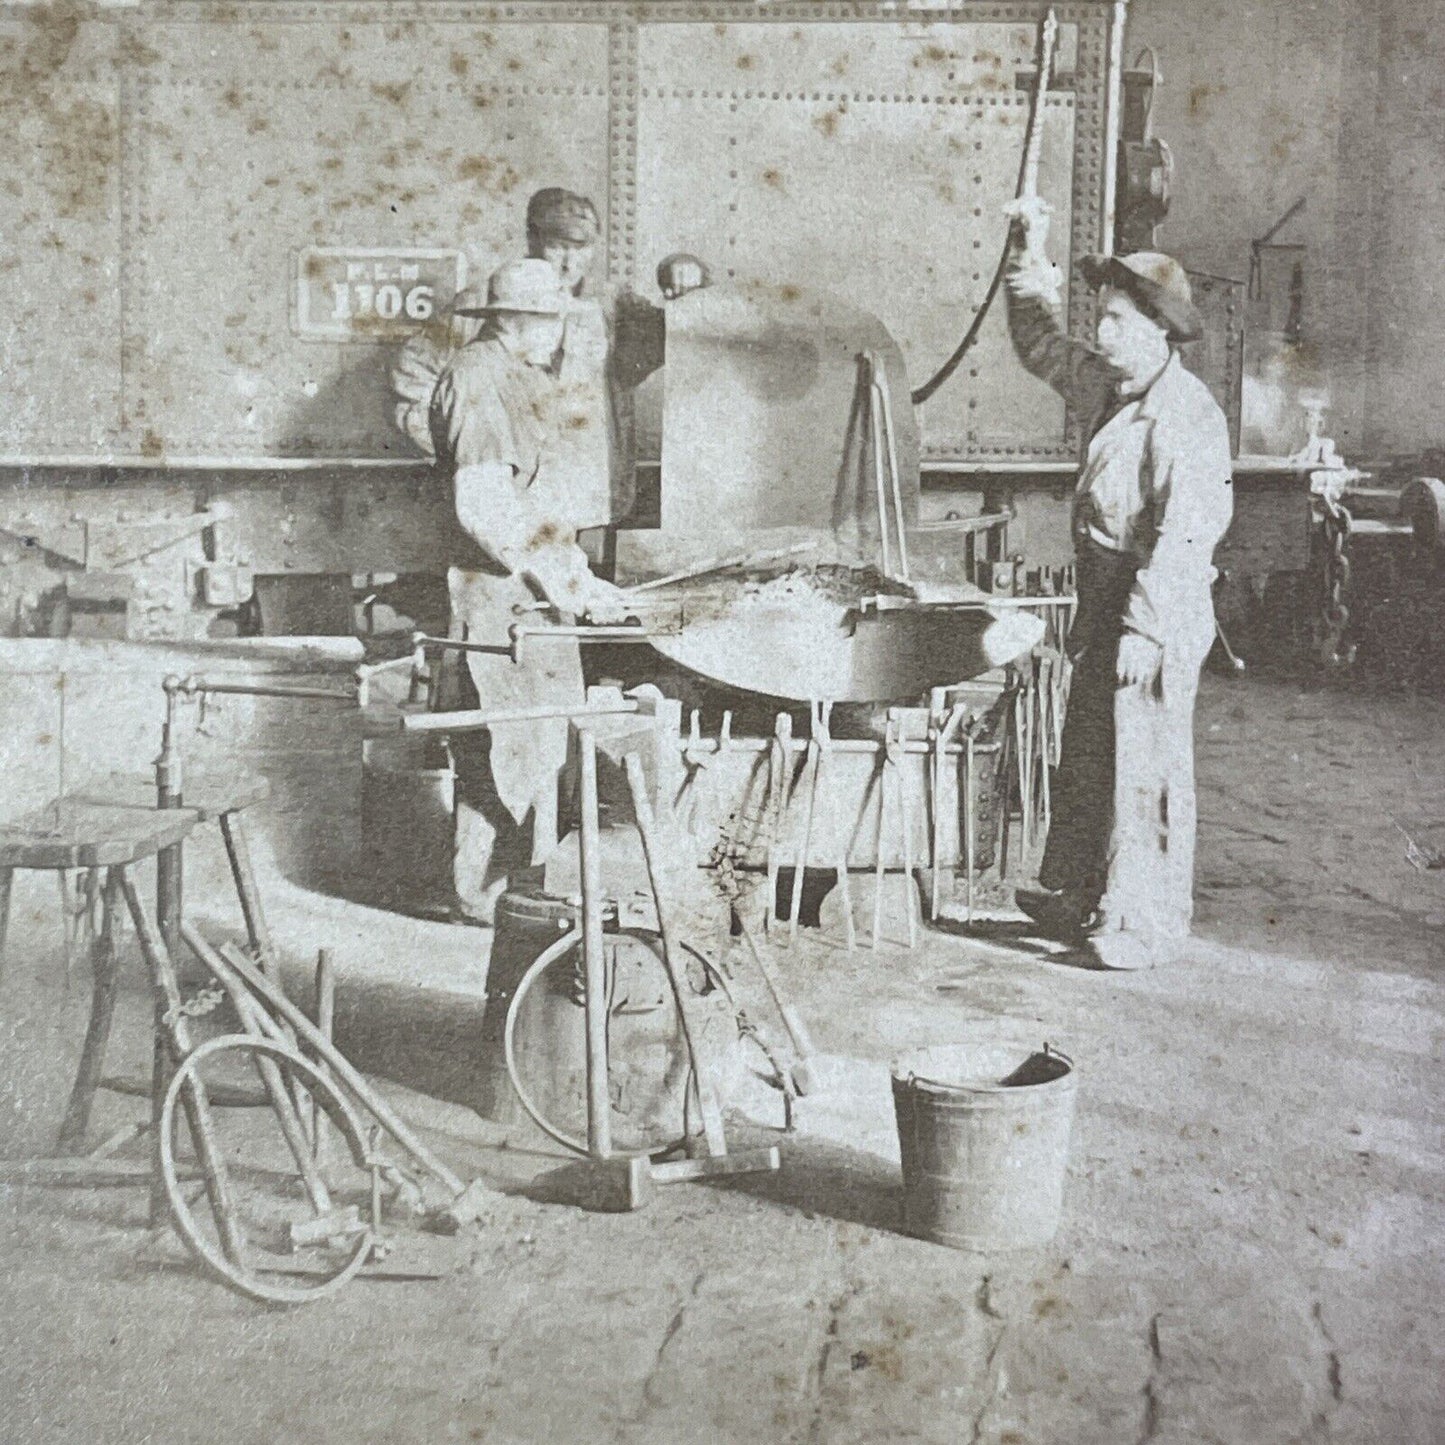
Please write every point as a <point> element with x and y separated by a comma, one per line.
<point>563,216</point>
<point>1157,282</point>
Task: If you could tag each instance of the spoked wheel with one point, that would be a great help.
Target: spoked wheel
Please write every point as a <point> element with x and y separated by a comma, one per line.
<point>649,1069</point>
<point>273,1226</point>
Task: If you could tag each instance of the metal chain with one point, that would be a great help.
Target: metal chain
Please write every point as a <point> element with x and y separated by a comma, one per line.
<point>197,1007</point>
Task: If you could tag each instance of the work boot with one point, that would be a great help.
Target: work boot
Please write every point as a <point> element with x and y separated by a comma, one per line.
<point>1121,950</point>
<point>1067,913</point>
<point>479,909</point>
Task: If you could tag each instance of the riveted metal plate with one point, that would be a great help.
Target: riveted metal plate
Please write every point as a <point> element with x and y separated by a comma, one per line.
<point>154,309</point>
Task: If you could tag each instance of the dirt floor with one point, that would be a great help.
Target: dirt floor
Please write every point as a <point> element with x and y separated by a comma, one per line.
<point>1251,1249</point>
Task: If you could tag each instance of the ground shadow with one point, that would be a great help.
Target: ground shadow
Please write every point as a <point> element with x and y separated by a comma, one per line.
<point>819,1176</point>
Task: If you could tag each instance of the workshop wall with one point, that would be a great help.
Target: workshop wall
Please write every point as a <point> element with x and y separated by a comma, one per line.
<point>1337,101</point>
<point>1253,106</point>
<point>1406,290</point>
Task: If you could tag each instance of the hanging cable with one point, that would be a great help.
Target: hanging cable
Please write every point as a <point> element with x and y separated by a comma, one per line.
<point>1027,164</point>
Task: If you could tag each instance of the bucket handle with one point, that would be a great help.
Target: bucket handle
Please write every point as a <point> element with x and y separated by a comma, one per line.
<point>1049,1052</point>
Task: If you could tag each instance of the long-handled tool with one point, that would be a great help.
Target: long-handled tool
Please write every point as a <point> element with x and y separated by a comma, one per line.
<point>883,419</point>
<point>943,735</point>
<point>845,888</point>
<point>802,1068</point>
<point>886,771</point>
<point>811,767</point>
<point>780,783</point>
<point>705,1086</point>
<point>906,820</point>
<point>599,1103</point>
<point>721,564</point>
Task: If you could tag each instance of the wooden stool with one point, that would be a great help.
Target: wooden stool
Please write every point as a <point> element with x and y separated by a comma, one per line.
<point>211,799</point>
<point>77,833</point>
<point>112,826</point>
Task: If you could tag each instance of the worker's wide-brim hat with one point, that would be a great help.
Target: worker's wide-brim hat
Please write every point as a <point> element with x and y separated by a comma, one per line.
<point>1157,282</point>
<point>527,288</point>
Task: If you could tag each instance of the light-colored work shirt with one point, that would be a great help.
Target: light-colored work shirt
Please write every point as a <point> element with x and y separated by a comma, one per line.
<point>1155,480</point>
<point>492,407</point>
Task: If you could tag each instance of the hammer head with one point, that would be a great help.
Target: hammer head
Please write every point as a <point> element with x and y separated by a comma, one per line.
<point>472,1206</point>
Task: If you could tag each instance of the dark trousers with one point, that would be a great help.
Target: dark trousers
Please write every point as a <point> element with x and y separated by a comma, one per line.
<point>1076,855</point>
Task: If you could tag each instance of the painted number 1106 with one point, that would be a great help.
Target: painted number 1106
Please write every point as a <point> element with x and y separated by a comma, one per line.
<point>354,300</point>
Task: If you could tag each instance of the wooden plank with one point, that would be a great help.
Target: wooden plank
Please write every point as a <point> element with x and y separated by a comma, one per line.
<point>74,833</point>
<point>207,795</point>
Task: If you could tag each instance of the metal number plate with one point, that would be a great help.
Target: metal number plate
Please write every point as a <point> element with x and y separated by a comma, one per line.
<point>373,294</point>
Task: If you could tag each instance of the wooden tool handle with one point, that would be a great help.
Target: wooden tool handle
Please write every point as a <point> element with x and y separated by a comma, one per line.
<point>712,1124</point>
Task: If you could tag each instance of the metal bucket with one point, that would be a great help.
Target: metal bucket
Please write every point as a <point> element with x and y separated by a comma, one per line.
<point>984,1132</point>
<point>554,1047</point>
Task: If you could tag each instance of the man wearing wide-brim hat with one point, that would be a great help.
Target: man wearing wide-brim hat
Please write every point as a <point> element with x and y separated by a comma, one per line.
<point>1152,501</point>
<point>500,421</point>
<point>563,230</point>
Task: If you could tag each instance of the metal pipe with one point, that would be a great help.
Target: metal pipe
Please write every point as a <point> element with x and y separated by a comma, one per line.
<point>194,685</point>
<point>1113,112</point>
<point>594,963</point>
<point>915,746</point>
<point>474,720</point>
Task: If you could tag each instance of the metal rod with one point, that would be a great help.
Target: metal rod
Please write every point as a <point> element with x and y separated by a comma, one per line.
<point>941,737</point>
<point>917,747</point>
<point>875,432</point>
<point>721,564</point>
<point>845,886</point>
<point>283,1103</point>
<point>60,749</point>
<point>594,962</point>
<point>909,898</point>
<point>238,850</point>
<point>1021,769</point>
<point>780,757</point>
<point>885,774</point>
<point>984,602</point>
<point>193,685</point>
<point>455,644</point>
<point>326,1026</point>
<point>880,378</point>
<point>642,809</point>
<point>135,461</point>
<point>968,806</point>
<point>479,718</point>
<point>800,858</point>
